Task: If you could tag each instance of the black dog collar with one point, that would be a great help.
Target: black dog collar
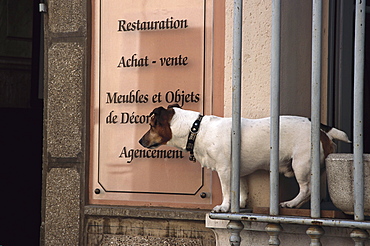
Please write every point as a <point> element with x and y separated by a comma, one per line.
<point>192,136</point>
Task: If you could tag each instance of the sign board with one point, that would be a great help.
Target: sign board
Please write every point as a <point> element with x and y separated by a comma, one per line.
<point>147,54</point>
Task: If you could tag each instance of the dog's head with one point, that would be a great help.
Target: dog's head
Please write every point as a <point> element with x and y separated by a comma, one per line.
<point>160,131</point>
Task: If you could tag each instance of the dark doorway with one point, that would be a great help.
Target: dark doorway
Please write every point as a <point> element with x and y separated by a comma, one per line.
<point>342,71</point>
<point>20,123</point>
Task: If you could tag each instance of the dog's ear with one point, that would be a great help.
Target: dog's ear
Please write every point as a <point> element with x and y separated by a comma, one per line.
<point>157,111</point>
<point>161,115</point>
<point>173,106</point>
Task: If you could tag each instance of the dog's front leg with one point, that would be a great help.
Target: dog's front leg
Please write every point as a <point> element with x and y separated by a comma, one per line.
<point>224,176</point>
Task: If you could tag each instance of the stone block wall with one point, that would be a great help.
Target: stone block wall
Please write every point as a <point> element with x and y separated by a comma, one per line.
<point>66,54</point>
<point>145,226</point>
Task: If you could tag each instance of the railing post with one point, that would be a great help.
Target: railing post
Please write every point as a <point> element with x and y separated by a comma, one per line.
<point>315,233</point>
<point>358,110</point>
<point>236,226</point>
<point>315,107</point>
<point>274,230</point>
<point>359,236</point>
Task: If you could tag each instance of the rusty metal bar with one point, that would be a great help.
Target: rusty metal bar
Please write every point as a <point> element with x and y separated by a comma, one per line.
<point>291,220</point>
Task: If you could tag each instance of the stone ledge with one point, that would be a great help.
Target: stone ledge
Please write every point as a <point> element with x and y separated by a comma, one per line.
<point>146,212</point>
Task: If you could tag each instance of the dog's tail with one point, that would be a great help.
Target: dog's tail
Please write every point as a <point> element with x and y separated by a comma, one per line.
<point>335,133</point>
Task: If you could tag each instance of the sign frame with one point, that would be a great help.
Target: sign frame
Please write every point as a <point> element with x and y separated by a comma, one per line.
<point>144,198</point>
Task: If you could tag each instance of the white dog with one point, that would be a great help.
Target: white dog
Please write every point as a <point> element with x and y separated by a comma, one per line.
<point>209,140</point>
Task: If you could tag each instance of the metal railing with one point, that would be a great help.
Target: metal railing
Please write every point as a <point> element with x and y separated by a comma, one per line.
<point>273,227</point>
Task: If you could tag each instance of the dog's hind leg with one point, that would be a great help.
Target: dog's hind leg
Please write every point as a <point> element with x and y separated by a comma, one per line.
<point>243,192</point>
<point>302,172</point>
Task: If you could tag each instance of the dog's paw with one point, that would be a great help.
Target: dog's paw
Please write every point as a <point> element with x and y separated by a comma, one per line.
<point>221,209</point>
<point>288,204</point>
<point>284,204</point>
<point>294,203</point>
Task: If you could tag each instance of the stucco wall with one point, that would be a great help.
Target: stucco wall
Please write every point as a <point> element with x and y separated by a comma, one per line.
<point>255,56</point>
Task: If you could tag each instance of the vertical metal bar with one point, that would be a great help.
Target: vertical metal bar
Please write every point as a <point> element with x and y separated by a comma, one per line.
<point>275,108</point>
<point>315,107</point>
<point>236,226</point>
<point>358,109</point>
<point>236,107</point>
